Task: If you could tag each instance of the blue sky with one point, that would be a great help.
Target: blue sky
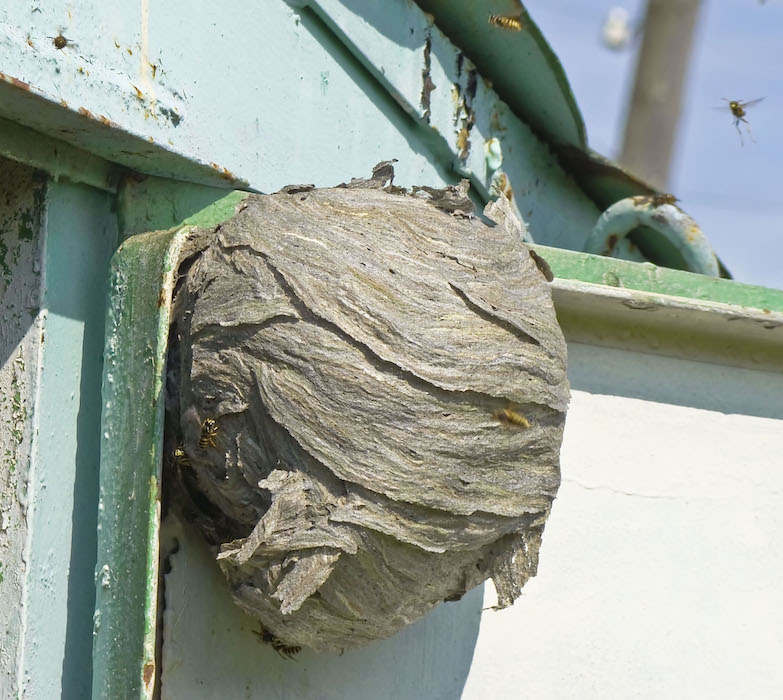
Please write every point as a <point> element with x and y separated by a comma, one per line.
<point>734,192</point>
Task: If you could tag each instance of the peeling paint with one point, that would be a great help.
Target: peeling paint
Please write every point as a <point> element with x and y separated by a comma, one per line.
<point>494,154</point>
<point>464,116</point>
<point>427,86</point>
<point>22,202</point>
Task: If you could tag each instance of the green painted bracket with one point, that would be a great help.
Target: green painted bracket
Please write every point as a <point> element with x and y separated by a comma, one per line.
<point>142,278</point>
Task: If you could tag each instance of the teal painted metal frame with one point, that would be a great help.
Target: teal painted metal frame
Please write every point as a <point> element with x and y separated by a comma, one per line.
<point>142,278</point>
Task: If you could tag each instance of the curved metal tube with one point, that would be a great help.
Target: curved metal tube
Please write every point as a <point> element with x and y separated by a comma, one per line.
<point>659,213</point>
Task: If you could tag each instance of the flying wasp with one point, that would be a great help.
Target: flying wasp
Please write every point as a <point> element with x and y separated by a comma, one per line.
<point>511,418</point>
<point>287,652</point>
<point>511,22</point>
<point>737,109</point>
<point>209,431</point>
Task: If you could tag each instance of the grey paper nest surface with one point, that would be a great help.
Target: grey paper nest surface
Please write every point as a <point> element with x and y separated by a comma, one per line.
<point>388,384</point>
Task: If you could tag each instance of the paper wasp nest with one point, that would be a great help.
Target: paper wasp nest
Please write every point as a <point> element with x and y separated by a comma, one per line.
<point>372,393</point>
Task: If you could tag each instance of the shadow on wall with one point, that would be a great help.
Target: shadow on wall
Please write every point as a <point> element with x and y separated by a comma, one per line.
<point>210,649</point>
<point>673,380</point>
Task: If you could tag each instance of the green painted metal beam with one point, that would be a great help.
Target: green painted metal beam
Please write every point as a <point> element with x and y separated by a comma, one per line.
<point>142,278</point>
<point>597,269</point>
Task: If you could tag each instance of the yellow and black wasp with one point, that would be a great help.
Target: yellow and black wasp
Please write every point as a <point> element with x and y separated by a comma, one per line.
<point>510,22</point>
<point>181,457</point>
<point>286,651</point>
<point>738,111</point>
<point>510,417</point>
<point>209,431</point>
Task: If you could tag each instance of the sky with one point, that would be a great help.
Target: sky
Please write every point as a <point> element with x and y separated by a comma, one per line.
<point>734,192</point>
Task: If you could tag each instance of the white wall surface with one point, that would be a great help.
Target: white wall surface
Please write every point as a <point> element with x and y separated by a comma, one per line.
<point>661,563</point>
<point>659,576</point>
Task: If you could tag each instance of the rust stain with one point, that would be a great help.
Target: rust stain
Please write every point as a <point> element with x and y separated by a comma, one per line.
<point>148,673</point>
<point>150,139</point>
<point>129,52</point>
<point>655,200</point>
<point>154,69</point>
<point>611,243</point>
<point>100,118</point>
<point>30,42</point>
<point>116,44</point>
<point>225,173</point>
<point>503,185</point>
<point>139,93</point>
<point>15,82</point>
<point>108,122</point>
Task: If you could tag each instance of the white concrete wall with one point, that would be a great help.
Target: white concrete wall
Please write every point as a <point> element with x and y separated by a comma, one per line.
<point>659,573</point>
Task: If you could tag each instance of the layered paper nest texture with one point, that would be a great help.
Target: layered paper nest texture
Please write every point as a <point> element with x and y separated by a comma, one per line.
<point>387,381</point>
